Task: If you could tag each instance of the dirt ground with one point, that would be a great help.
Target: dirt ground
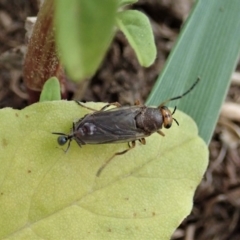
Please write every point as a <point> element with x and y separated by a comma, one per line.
<point>216,211</point>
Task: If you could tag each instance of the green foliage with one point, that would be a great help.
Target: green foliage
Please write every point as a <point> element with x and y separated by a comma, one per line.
<point>209,47</point>
<point>150,187</point>
<point>51,90</point>
<point>137,29</point>
<point>46,193</point>
<point>84,30</point>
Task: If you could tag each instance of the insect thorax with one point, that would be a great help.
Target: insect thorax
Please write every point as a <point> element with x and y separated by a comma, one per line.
<point>149,120</point>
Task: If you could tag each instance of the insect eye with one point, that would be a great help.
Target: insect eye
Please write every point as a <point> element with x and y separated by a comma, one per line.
<point>167,117</point>
<point>167,124</point>
<point>62,140</point>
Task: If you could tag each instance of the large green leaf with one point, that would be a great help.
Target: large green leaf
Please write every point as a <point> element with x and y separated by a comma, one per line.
<point>208,46</point>
<point>84,30</point>
<point>46,193</point>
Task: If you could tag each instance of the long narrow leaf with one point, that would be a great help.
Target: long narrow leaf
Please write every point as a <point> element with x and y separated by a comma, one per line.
<point>209,47</point>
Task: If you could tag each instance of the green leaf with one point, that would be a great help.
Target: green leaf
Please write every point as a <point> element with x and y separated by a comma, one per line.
<point>122,3</point>
<point>84,30</point>
<point>51,90</point>
<point>137,29</point>
<point>46,193</point>
<point>208,46</point>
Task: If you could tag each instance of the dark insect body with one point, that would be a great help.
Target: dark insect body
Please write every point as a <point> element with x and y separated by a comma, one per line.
<point>120,124</point>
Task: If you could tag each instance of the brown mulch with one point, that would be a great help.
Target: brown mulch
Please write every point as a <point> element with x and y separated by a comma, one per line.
<point>216,211</point>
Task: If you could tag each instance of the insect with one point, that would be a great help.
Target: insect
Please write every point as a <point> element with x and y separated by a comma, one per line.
<point>120,124</point>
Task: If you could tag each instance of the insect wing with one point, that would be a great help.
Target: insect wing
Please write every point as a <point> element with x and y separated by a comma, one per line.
<point>111,126</point>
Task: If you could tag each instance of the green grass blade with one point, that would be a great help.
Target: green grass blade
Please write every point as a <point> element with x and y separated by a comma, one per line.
<point>208,46</point>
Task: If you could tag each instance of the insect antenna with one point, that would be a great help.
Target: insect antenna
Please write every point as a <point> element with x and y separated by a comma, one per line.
<point>58,133</point>
<point>182,95</point>
<point>174,110</point>
<point>175,120</point>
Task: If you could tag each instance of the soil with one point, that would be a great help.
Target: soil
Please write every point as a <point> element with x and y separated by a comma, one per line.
<point>216,211</point>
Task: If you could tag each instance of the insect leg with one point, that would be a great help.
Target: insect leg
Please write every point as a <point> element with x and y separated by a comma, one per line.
<point>161,133</point>
<point>116,104</point>
<point>102,109</point>
<point>92,109</point>
<point>142,141</point>
<point>115,154</point>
